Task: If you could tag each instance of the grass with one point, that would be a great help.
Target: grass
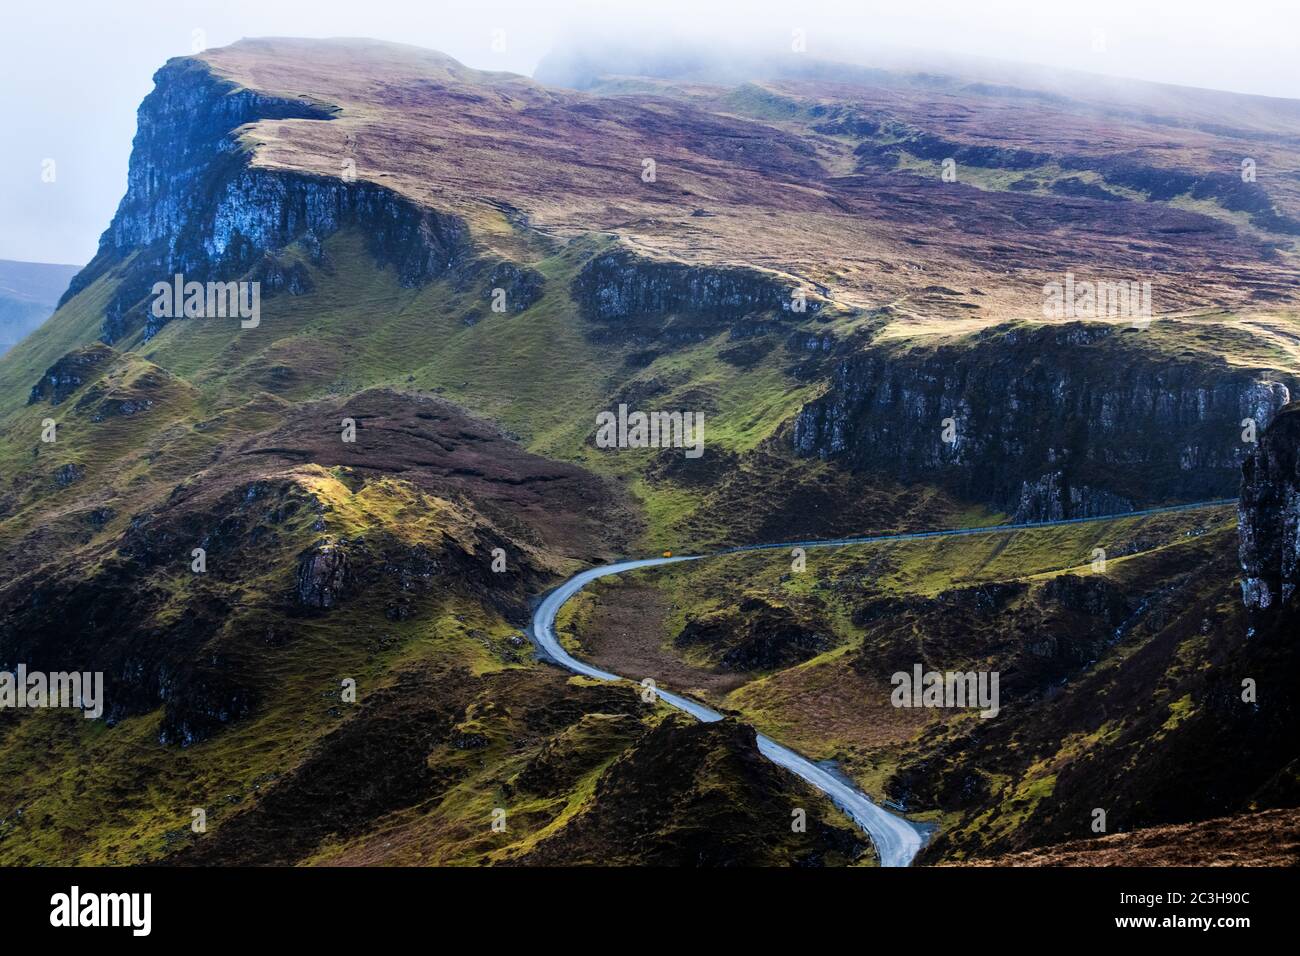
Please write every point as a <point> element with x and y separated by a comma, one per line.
<point>823,707</point>
<point>996,179</point>
<point>90,794</point>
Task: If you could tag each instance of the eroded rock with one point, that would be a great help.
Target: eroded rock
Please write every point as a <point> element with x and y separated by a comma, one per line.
<point>324,575</point>
<point>1269,515</point>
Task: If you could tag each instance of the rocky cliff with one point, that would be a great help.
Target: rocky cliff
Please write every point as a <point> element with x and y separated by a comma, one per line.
<point>1046,422</point>
<point>631,295</point>
<point>1268,522</point>
<point>195,205</point>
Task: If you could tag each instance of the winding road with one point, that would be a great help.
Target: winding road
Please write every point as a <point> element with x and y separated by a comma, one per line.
<point>897,840</point>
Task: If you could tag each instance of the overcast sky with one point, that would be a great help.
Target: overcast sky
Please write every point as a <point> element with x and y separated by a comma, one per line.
<point>73,73</point>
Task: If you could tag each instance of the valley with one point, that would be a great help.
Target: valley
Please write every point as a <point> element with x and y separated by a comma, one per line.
<point>462,275</point>
<point>29,292</point>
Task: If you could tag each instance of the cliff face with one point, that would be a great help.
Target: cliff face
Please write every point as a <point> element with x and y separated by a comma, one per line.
<point>1268,522</point>
<point>1049,422</point>
<point>630,295</point>
<point>195,206</point>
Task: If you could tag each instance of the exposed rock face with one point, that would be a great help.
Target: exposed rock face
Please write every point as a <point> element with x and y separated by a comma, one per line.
<point>200,700</point>
<point>1050,422</point>
<point>323,576</point>
<point>276,275</point>
<point>522,286</point>
<point>194,206</point>
<point>1053,498</point>
<point>1268,519</point>
<point>1093,595</point>
<point>68,474</point>
<point>69,373</point>
<point>618,289</point>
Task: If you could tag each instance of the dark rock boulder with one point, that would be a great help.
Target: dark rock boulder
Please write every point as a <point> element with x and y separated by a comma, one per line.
<point>68,474</point>
<point>201,699</point>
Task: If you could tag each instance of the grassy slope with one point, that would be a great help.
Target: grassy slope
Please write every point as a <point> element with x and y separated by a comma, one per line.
<point>825,708</point>
<point>92,794</point>
<point>535,373</point>
<point>541,378</point>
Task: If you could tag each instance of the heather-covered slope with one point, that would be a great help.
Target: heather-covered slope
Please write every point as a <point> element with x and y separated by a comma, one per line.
<point>1146,672</point>
<point>792,271</point>
<point>292,148</point>
<point>1267,838</point>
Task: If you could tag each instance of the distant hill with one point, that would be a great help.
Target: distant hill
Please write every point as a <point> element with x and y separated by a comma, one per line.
<point>29,293</point>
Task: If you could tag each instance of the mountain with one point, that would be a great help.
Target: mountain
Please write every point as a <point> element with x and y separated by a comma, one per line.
<point>29,292</point>
<point>362,482</point>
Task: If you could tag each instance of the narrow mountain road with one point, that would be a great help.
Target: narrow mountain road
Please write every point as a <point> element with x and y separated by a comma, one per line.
<point>897,840</point>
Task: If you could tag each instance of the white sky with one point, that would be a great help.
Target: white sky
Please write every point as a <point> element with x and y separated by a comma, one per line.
<point>73,73</point>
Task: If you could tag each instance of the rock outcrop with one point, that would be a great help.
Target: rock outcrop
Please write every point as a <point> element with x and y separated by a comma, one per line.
<point>756,636</point>
<point>1046,422</point>
<point>68,474</point>
<point>324,574</point>
<point>620,291</point>
<point>519,286</point>
<point>69,373</point>
<point>196,206</point>
<point>1269,515</point>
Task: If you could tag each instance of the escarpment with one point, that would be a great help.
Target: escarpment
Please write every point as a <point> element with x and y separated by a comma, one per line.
<point>196,206</point>
<point>1269,515</point>
<point>1044,423</point>
<point>630,295</point>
